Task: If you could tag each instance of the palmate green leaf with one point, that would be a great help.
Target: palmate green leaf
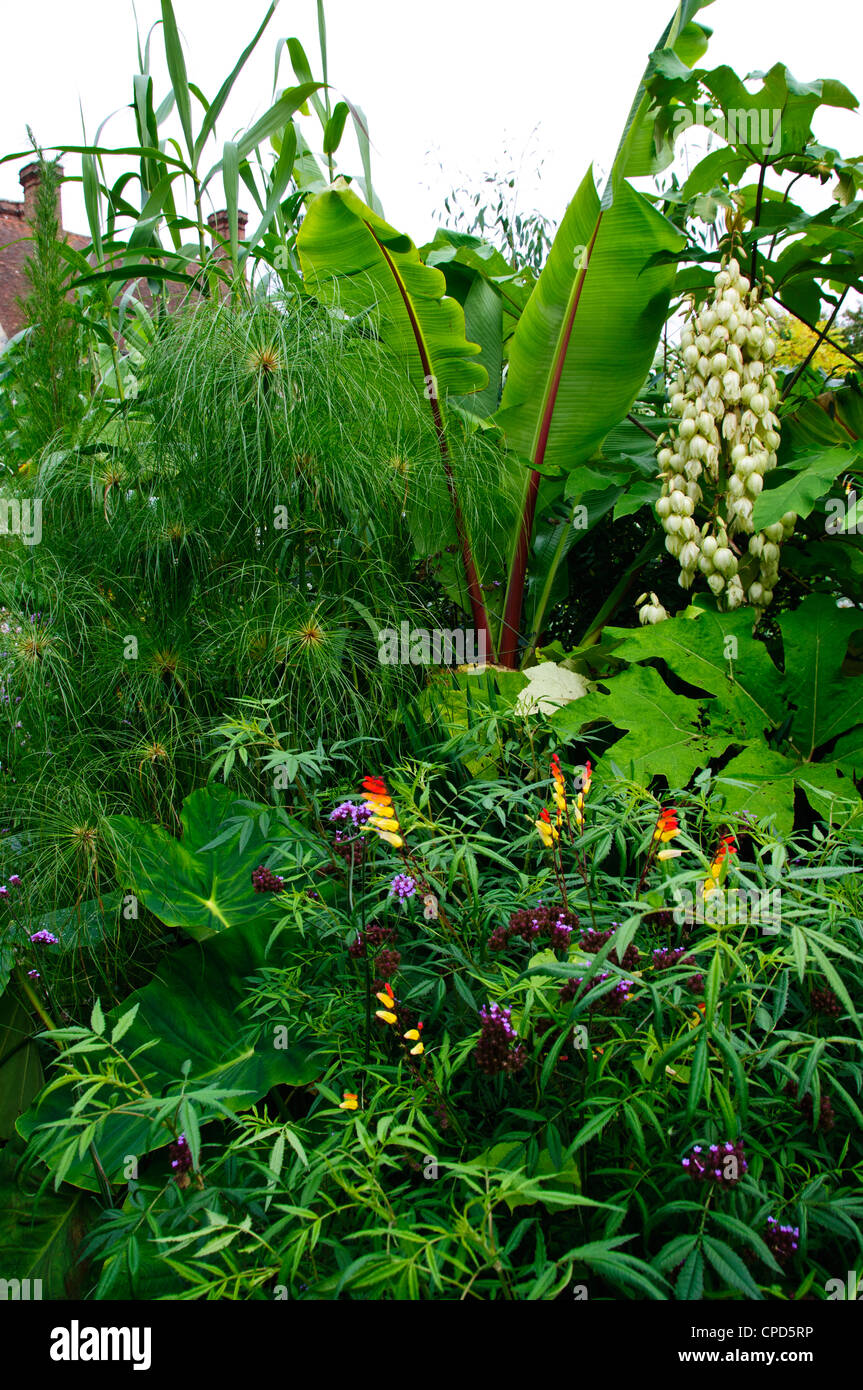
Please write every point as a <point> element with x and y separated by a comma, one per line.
<point>748,701</point>
<point>586,339</point>
<point>197,1010</point>
<point>747,689</point>
<point>353,259</point>
<point>730,1268</point>
<point>41,1234</point>
<point>184,885</point>
<point>826,703</point>
<point>690,1281</point>
<point>814,473</point>
<point>664,735</point>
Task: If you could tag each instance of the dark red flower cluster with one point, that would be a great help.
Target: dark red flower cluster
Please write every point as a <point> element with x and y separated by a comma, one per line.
<point>826,1116</point>
<point>593,941</point>
<point>824,1001</point>
<point>781,1240</point>
<point>498,1049</point>
<point>180,1156</point>
<point>664,959</point>
<point>387,964</point>
<point>533,923</point>
<point>721,1164</point>
<point>609,1003</point>
<point>372,938</point>
<point>266,882</point>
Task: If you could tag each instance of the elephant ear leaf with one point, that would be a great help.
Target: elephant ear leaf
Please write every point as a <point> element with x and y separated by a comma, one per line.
<point>192,1029</point>
<point>187,882</point>
<point>351,258</point>
<point>41,1234</point>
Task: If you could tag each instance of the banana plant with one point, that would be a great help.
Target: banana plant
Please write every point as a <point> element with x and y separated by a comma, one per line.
<point>354,260</point>
<point>586,339</point>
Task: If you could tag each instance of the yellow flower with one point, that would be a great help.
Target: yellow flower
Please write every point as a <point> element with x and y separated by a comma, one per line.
<point>386,1015</point>
<point>669,853</point>
<point>350,1101</point>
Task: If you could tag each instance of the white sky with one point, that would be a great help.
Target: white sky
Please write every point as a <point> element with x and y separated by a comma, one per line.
<point>453,83</point>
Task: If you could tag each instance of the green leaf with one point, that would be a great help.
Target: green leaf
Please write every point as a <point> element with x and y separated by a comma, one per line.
<point>665,735</point>
<point>730,1268</point>
<point>814,473</point>
<point>185,885</point>
<point>199,1008</point>
<point>97,1019</point>
<point>177,72</point>
<point>20,1064</point>
<point>335,128</point>
<point>354,259</point>
<point>690,1281</point>
<point>41,1235</point>
<point>697,1076</point>
<point>585,341</point>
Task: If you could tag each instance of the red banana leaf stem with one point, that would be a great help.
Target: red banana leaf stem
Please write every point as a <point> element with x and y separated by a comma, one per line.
<point>477,602</point>
<point>518,570</point>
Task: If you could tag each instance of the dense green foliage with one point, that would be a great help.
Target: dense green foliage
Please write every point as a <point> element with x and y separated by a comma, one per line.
<point>456,1035</point>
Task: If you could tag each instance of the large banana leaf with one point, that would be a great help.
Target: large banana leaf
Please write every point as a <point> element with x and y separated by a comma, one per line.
<point>586,339</point>
<point>593,321</point>
<point>198,1010</point>
<point>353,258</point>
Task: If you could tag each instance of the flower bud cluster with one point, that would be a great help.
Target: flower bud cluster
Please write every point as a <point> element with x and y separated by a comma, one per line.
<point>724,443</point>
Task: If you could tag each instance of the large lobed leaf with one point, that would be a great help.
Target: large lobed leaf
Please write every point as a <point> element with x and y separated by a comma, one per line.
<point>801,727</point>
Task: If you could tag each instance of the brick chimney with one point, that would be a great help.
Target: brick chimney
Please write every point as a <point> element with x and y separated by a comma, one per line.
<point>30,180</point>
<point>219,225</point>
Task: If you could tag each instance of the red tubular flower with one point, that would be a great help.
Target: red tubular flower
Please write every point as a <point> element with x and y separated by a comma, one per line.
<point>667,825</point>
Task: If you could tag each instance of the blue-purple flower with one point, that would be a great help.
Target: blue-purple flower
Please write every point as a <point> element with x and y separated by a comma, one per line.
<point>403,887</point>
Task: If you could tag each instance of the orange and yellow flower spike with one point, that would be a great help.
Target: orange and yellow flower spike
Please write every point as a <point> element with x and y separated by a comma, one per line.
<point>382,819</point>
<point>548,833</point>
<point>666,825</point>
<point>719,867</point>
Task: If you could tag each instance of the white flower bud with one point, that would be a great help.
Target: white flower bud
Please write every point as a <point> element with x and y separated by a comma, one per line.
<point>687,429</point>
<point>731,385</point>
<point>690,355</point>
<point>725,561</point>
<point>735,485</point>
<point>756,593</point>
<point>716,582</point>
<point>689,555</point>
<point>663,506</point>
<point>754,484</point>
